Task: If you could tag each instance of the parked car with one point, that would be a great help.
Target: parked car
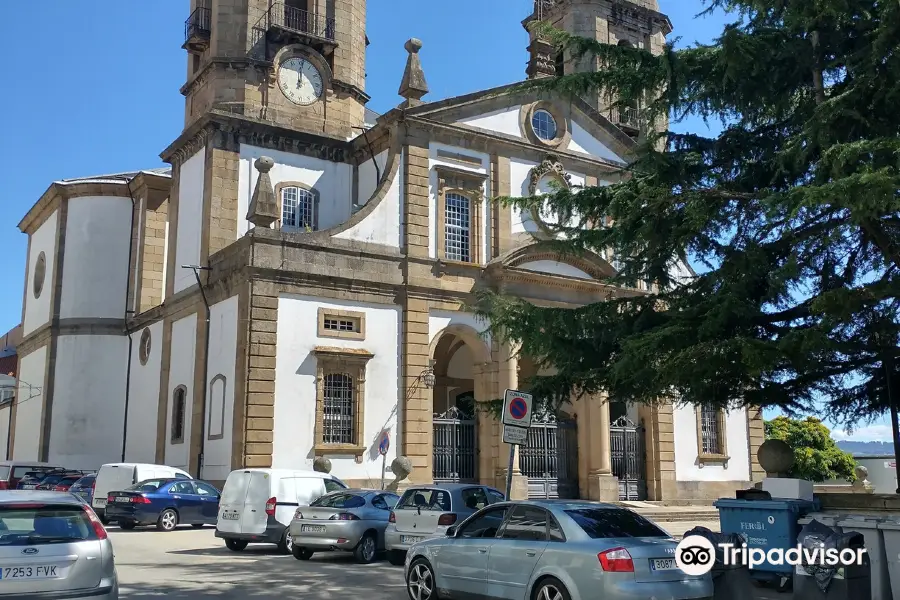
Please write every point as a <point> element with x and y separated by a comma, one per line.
<point>552,549</point>
<point>118,476</point>
<point>258,505</point>
<point>33,479</point>
<point>428,510</point>
<point>84,487</point>
<point>53,546</point>
<point>12,471</point>
<point>351,520</point>
<point>165,503</point>
<point>59,482</point>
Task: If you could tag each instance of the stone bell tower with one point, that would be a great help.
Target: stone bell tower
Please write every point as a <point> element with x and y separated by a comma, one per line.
<point>636,23</point>
<point>299,64</point>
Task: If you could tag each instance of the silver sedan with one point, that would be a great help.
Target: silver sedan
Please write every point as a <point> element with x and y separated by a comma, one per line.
<point>351,520</point>
<point>551,550</point>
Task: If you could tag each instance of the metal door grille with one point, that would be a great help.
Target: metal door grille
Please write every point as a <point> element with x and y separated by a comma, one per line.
<point>626,441</point>
<point>455,454</point>
<point>549,458</point>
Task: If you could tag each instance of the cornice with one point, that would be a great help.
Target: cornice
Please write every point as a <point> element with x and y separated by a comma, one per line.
<point>234,63</point>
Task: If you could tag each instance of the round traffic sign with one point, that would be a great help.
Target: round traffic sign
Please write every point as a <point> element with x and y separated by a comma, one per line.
<point>385,444</point>
<point>518,408</point>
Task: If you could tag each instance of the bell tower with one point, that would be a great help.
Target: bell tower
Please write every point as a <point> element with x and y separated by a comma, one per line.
<point>636,23</point>
<point>298,64</point>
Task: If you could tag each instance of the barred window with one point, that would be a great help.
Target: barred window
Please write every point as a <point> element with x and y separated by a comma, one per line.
<point>457,222</point>
<point>338,405</point>
<point>710,430</point>
<point>340,324</point>
<point>297,209</point>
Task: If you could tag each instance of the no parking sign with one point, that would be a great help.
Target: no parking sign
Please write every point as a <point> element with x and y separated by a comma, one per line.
<point>517,408</point>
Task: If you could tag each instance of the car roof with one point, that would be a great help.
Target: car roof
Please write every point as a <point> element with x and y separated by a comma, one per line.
<point>450,487</point>
<point>562,504</point>
<point>16,496</point>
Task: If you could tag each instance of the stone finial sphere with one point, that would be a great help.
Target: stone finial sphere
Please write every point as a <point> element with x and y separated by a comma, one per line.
<point>401,467</point>
<point>264,164</point>
<point>775,456</point>
<point>322,465</point>
<point>413,45</point>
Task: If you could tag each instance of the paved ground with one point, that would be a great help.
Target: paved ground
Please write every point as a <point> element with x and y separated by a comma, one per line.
<point>189,564</point>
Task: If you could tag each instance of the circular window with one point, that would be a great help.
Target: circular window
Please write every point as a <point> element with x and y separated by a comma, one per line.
<point>144,347</point>
<point>544,125</point>
<point>40,271</point>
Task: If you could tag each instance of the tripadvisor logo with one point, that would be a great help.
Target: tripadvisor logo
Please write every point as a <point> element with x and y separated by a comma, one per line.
<point>696,555</point>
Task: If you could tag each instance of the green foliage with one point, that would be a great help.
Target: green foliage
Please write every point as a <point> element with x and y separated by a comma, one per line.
<point>792,212</point>
<point>816,456</point>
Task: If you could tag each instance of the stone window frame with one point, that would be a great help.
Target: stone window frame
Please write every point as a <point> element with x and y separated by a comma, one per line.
<point>563,132</point>
<point>279,190</point>
<point>176,437</point>
<point>40,274</point>
<point>469,184</point>
<point>341,361</point>
<point>209,422</point>
<point>722,455</point>
<point>358,318</point>
<point>145,346</point>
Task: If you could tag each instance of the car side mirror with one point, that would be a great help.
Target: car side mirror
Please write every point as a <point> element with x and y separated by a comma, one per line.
<point>451,531</point>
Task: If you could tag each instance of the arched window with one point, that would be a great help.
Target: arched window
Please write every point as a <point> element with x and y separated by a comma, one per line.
<point>216,425</point>
<point>457,225</point>
<point>298,209</point>
<point>179,409</point>
<point>338,408</point>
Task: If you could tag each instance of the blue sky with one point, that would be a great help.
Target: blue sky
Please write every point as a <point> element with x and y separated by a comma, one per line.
<point>98,93</point>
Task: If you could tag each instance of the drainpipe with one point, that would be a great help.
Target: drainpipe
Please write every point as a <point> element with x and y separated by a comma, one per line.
<point>129,313</point>
<point>197,269</point>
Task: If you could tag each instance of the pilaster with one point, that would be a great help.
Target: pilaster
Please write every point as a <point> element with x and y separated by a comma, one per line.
<point>508,378</point>
<point>417,441</point>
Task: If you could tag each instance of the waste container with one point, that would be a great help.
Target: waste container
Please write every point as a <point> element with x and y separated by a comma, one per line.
<point>890,532</point>
<point>868,526</point>
<point>767,525</point>
<point>730,581</point>
<point>818,582</point>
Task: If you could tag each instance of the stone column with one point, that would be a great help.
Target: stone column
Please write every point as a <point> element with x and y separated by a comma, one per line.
<point>482,373</point>
<point>509,379</point>
<point>602,485</point>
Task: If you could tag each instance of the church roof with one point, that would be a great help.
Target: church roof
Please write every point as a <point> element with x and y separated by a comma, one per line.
<point>161,171</point>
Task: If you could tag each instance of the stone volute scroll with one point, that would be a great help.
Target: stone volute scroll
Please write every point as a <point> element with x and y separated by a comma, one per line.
<point>413,86</point>
<point>550,167</point>
<point>263,209</point>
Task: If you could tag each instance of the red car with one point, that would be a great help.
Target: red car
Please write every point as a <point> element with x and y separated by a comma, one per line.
<point>11,471</point>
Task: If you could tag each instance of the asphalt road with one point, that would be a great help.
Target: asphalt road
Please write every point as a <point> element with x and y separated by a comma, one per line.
<point>189,564</point>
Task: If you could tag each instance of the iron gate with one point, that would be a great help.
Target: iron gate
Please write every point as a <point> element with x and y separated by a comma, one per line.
<point>455,454</point>
<point>549,458</point>
<point>626,442</point>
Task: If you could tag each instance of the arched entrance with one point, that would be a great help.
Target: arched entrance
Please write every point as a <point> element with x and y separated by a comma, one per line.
<point>455,425</point>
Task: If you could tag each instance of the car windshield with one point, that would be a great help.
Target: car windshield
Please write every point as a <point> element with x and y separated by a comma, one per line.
<point>51,479</point>
<point>38,523</point>
<point>426,499</point>
<point>614,523</point>
<point>148,485</point>
<point>339,500</point>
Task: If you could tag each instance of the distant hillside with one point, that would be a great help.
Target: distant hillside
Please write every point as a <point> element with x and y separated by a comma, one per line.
<point>866,447</point>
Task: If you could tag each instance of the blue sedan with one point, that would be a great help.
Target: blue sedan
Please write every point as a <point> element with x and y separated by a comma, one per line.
<point>165,503</point>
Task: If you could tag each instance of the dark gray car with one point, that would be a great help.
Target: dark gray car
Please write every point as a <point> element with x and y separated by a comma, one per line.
<point>426,511</point>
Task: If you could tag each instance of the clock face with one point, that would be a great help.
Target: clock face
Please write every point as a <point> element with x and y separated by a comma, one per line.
<point>300,81</point>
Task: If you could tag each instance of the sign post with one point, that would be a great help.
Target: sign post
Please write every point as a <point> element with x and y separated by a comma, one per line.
<point>516,421</point>
<point>383,450</point>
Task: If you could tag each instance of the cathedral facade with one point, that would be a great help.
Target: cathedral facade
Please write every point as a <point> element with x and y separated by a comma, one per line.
<point>294,285</point>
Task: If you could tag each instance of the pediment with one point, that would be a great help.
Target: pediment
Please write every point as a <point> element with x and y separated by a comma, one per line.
<point>539,259</point>
<point>507,112</point>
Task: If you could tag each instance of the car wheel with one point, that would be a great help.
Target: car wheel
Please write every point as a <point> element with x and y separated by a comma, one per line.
<point>550,589</point>
<point>168,520</point>
<point>235,545</point>
<point>366,549</point>
<point>196,525</point>
<point>286,546</point>
<point>127,525</point>
<point>301,553</point>
<point>397,557</point>
<point>420,581</point>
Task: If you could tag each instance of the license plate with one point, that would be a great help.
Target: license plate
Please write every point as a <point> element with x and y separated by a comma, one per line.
<point>38,572</point>
<point>410,539</point>
<point>29,486</point>
<point>230,516</point>
<point>100,502</point>
<point>662,564</point>
<point>124,499</point>
<point>313,528</point>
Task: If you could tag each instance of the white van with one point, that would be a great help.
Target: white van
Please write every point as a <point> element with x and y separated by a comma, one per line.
<point>119,476</point>
<point>257,505</point>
